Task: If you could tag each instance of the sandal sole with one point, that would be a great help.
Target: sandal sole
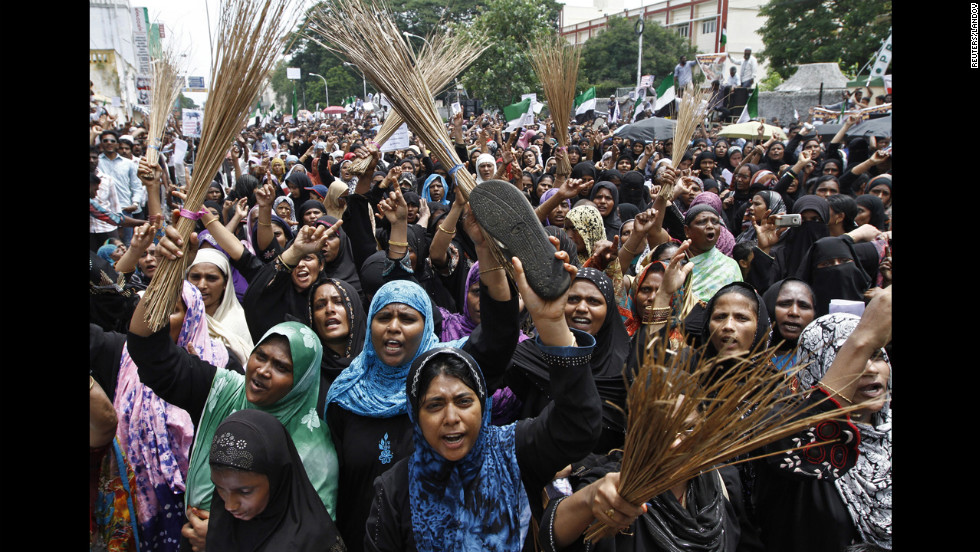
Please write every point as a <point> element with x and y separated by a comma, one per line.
<point>503,211</point>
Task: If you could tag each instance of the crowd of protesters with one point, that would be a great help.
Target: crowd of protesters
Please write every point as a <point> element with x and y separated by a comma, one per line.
<point>349,367</point>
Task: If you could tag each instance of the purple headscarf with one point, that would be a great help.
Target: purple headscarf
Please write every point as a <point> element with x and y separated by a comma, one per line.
<point>455,325</point>
<point>548,194</point>
<point>726,241</point>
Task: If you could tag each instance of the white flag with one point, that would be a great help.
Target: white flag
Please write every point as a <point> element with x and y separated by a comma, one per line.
<point>882,59</point>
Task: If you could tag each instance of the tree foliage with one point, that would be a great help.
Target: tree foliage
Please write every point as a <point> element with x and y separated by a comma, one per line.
<point>609,58</point>
<point>847,32</point>
<point>504,72</point>
<point>183,102</point>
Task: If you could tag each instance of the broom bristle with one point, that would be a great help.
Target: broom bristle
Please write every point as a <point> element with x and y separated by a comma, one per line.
<point>365,32</point>
<point>448,55</point>
<point>556,63</point>
<point>721,418</point>
<point>165,89</point>
<point>692,111</point>
<point>253,34</point>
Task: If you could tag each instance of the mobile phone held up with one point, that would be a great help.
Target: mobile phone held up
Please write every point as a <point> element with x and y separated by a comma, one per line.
<point>788,221</point>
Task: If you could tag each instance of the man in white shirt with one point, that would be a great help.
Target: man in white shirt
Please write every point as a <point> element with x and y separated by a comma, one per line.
<point>750,67</point>
<point>683,75</point>
<point>129,188</point>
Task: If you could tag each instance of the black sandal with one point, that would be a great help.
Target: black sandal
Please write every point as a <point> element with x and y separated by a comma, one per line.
<point>505,214</point>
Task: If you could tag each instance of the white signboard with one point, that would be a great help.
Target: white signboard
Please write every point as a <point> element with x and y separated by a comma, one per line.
<point>293,73</point>
<point>191,120</point>
<point>398,140</point>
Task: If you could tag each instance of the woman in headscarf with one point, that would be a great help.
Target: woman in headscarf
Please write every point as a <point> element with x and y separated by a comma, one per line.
<point>586,172</point>
<point>591,308</point>
<point>299,184</point>
<point>338,257</point>
<point>154,434</point>
<point>605,195</point>
<point>539,185</point>
<point>762,201</point>
<point>486,166</point>
<point>634,190</point>
<point>263,499</point>
<point>881,186</point>
<point>585,227</point>
<point>106,252</point>
<point>435,189</point>
<point>557,215</point>
<point>791,304</point>
<point>367,406</point>
<point>721,147</point>
<point>712,268</point>
<point>470,485</point>
<point>776,258</point>
<point>726,240</point>
<point>210,272</point>
<point>309,211</point>
<point>281,378</point>
<point>336,202</point>
<point>871,211</point>
<point>838,268</point>
<point>837,508</point>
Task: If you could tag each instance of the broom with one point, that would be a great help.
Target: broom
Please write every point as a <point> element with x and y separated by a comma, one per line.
<point>448,56</point>
<point>556,64</point>
<point>252,36</point>
<point>365,32</point>
<point>735,415</point>
<point>166,88</point>
<point>691,112</point>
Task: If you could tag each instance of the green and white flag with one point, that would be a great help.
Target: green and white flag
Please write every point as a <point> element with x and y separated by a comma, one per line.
<point>585,105</point>
<point>295,103</point>
<point>638,105</point>
<point>882,59</point>
<point>519,114</point>
<point>751,109</point>
<point>665,93</point>
<point>724,37</point>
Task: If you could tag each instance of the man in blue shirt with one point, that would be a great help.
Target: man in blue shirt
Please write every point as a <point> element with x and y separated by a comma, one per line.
<point>122,171</point>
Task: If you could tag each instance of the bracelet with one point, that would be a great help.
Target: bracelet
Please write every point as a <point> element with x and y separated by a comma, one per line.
<point>658,315</point>
<point>91,382</point>
<point>446,231</point>
<point>491,269</point>
<point>284,263</point>
<point>264,223</point>
<point>836,392</point>
<point>402,244</point>
<point>215,219</point>
<point>628,250</point>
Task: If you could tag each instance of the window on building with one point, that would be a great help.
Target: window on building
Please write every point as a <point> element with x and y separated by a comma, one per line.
<point>682,30</point>
<point>708,27</point>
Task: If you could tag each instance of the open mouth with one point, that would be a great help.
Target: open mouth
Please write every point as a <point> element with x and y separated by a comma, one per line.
<point>871,391</point>
<point>393,347</point>
<point>453,440</point>
<point>581,321</point>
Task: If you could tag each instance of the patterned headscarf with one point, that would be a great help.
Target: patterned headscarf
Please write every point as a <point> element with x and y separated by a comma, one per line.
<point>867,487</point>
<point>155,435</point>
<point>296,411</point>
<point>369,387</point>
<point>588,223</point>
<point>478,502</point>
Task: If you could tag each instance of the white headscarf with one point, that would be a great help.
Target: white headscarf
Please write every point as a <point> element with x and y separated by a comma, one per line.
<point>228,323</point>
<point>484,158</point>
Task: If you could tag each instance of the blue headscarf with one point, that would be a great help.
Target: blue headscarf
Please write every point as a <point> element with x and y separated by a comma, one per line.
<point>105,252</point>
<point>445,188</point>
<point>478,502</point>
<point>369,387</point>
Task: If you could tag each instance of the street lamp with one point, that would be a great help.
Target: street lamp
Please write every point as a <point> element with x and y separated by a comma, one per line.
<point>363,79</point>
<point>325,90</point>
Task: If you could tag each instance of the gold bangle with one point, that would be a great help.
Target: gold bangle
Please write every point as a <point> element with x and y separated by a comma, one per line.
<point>285,264</point>
<point>264,223</point>
<point>628,250</point>
<point>446,231</point>
<point>836,392</point>
<point>91,382</point>
<point>215,219</point>
<point>393,242</point>
<point>656,315</point>
<point>491,269</point>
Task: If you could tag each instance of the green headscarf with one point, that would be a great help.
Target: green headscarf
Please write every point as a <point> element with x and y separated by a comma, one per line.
<point>296,411</point>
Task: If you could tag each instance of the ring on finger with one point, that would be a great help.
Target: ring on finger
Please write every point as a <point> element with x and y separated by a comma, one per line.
<point>610,512</point>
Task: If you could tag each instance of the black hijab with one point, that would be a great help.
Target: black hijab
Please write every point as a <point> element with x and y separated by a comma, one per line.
<point>306,206</point>
<point>607,362</point>
<point>303,182</point>
<point>295,517</point>
<point>761,325</point>
<point>770,297</point>
<point>848,280</point>
<point>611,222</point>
<point>343,266</point>
<point>877,209</point>
<point>634,191</point>
<point>332,364</point>
<point>794,244</point>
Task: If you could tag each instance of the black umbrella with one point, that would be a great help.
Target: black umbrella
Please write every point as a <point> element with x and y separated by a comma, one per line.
<point>827,130</point>
<point>648,130</point>
<point>880,127</point>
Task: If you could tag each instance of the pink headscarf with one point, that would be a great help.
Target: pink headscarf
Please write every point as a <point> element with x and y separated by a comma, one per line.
<point>726,241</point>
